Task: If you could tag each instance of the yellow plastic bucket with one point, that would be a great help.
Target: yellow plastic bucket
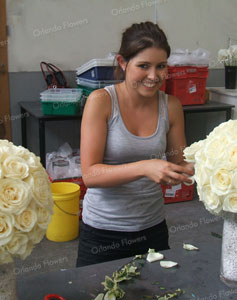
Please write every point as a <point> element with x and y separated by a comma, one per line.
<point>64,225</point>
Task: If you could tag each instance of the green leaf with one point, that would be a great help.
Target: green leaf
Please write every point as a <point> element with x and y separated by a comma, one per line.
<point>110,296</point>
<point>155,282</point>
<point>140,256</point>
<point>219,236</point>
<point>108,283</point>
<point>99,296</point>
<point>119,293</point>
<point>151,250</point>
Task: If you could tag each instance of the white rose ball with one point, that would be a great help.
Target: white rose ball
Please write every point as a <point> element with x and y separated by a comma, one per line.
<point>189,152</point>
<point>43,217</point>
<point>220,182</point>
<point>41,189</point>
<point>6,228</point>
<point>36,234</point>
<point>18,244</point>
<point>214,151</point>
<point>15,167</point>
<point>202,174</point>
<point>5,257</point>
<point>28,249</point>
<point>26,220</point>
<point>212,202</point>
<point>230,202</point>
<point>15,195</point>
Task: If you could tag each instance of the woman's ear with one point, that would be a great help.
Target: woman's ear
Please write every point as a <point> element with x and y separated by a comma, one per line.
<point>121,61</point>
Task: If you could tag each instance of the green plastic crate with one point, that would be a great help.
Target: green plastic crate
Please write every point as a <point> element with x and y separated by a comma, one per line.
<point>61,108</point>
<point>85,93</point>
<point>85,90</point>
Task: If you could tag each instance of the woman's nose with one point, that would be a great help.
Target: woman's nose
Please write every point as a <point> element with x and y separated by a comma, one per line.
<point>152,75</point>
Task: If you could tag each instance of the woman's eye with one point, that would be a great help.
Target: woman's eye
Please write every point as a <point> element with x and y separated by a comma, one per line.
<point>143,66</point>
<point>161,66</point>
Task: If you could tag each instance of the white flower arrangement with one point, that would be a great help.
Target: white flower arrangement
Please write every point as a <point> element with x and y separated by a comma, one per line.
<point>228,56</point>
<point>26,203</point>
<point>215,163</point>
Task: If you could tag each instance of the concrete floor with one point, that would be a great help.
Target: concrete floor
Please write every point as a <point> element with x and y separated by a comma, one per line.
<point>188,222</point>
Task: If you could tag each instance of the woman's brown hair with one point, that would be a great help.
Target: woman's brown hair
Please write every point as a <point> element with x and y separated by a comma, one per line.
<point>137,38</point>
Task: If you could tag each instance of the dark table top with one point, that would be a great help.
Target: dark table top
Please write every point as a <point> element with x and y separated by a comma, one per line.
<point>34,108</point>
<point>197,274</point>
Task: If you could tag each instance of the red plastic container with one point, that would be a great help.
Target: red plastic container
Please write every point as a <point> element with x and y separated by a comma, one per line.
<point>83,188</point>
<point>188,83</point>
<point>177,193</point>
<point>163,87</point>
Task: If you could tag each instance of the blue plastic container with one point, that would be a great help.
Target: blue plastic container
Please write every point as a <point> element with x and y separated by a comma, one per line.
<point>97,69</point>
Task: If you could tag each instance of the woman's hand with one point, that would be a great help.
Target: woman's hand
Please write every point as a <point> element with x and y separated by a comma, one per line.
<point>164,172</point>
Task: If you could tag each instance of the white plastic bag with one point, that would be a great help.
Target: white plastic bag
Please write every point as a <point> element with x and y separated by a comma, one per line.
<point>200,57</point>
<point>184,57</point>
<point>179,57</point>
<point>63,163</point>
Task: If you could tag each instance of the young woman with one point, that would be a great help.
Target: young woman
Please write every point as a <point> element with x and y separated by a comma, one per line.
<point>127,129</point>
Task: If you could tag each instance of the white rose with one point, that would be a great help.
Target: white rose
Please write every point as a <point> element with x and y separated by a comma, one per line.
<point>212,202</point>
<point>224,128</point>
<point>220,181</point>
<point>223,55</point>
<point>43,217</point>
<point>189,152</point>
<point>15,167</point>
<point>36,234</point>
<point>41,188</point>
<point>200,157</point>
<point>4,149</point>
<point>214,150</point>
<point>5,143</point>
<point>233,51</point>
<point>15,195</point>
<point>230,202</point>
<point>234,180</point>
<point>31,159</point>
<point>18,244</point>
<point>6,228</point>
<point>5,257</point>
<point>28,250</point>
<point>26,220</point>
<point>202,174</point>
<point>231,155</point>
<point>17,150</point>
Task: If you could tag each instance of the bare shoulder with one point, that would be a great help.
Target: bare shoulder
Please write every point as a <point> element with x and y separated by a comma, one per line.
<point>98,102</point>
<point>175,109</point>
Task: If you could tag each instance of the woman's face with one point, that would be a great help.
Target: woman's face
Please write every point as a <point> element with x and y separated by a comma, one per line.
<point>146,72</point>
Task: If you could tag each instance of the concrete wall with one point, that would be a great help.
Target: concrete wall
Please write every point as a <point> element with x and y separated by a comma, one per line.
<point>69,33</point>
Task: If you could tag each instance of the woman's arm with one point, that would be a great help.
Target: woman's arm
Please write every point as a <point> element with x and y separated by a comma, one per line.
<point>93,140</point>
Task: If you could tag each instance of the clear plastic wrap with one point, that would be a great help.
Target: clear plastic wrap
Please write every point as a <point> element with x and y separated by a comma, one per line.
<point>63,163</point>
<point>184,57</point>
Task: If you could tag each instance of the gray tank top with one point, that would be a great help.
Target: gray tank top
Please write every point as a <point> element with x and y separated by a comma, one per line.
<point>139,204</point>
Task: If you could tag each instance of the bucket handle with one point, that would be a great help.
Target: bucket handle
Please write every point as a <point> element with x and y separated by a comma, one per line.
<point>75,215</point>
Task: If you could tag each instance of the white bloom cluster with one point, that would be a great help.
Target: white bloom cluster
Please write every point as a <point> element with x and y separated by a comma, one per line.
<point>228,56</point>
<point>26,203</point>
<point>215,160</point>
